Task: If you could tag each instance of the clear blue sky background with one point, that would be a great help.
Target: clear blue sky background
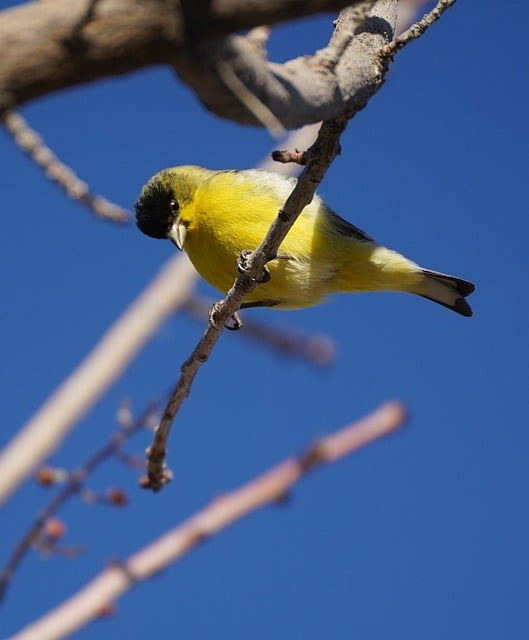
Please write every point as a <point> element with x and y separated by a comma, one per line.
<point>423,535</point>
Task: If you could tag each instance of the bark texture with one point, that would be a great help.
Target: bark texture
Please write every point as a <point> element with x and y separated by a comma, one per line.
<point>53,45</point>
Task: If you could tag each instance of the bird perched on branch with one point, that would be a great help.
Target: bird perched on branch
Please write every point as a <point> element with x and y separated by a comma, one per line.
<point>215,215</point>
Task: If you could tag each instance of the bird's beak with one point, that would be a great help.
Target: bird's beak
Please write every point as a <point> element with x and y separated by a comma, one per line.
<point>177,234</point>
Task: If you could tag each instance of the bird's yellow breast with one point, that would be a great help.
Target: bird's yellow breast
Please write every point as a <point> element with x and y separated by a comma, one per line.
<point>233,211</point>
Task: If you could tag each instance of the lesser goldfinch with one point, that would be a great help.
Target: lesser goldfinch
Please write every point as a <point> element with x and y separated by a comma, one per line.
<point>214,215</point>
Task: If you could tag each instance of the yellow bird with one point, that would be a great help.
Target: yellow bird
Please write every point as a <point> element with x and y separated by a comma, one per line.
<point>214,215</point>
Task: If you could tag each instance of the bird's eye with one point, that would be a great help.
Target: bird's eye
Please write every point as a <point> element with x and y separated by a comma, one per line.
<point>173,205</point>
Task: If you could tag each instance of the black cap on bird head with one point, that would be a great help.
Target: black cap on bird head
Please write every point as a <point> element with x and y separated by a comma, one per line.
<point>156,208</point>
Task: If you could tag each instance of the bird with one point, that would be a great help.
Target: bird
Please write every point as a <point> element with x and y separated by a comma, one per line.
<point>215,215</point>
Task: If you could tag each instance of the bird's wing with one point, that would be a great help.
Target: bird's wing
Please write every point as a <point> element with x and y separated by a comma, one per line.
<point>347,229</point>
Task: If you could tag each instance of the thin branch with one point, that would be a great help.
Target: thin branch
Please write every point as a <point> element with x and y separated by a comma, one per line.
<point>416,30</point>
<point>264,490</point>
<point>107,360</point>
<point>321,155</point>
<point>33,145</point>
<point>72,486</point>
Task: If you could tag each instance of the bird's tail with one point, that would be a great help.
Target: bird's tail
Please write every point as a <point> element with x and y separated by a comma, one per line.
<point>447,290</point>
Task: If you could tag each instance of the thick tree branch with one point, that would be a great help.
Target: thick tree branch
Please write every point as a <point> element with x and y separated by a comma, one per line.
<point>84,40</point>
<point>81,41</point>
<point>341,77</point>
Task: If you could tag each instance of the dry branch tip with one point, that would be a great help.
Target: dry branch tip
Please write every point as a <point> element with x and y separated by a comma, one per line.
<point>284,156</point>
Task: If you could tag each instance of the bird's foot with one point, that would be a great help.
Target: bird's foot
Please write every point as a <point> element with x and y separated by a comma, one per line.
<point>233,324</point>
<point>243,264</point>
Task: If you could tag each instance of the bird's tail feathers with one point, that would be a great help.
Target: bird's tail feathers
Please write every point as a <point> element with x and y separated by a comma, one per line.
<point>447,290</point>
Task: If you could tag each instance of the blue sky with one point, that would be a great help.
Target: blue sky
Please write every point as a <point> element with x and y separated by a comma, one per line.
<point>423,535</point>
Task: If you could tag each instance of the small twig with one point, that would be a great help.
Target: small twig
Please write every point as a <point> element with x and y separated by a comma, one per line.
<point>284,156</point>
<point>264,490</point>
<point>72,486</point>
<point>416,30</point>
<point>318,350</point>
<point>298,139</point>
<point>33,145</point>
<point>321,154</point>
<point>110,356</point>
